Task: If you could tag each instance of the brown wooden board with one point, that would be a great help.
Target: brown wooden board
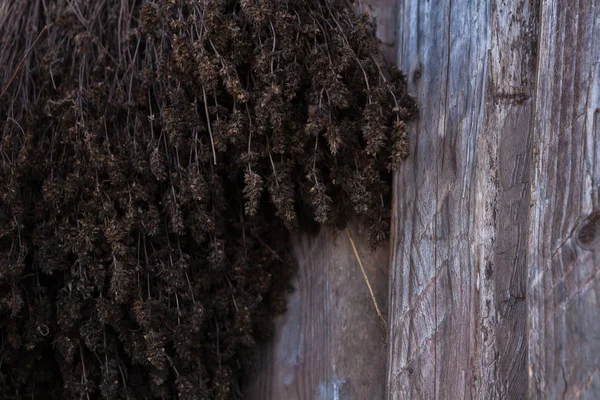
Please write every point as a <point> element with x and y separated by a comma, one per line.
<point>458,278</point>
<point>563,295</point>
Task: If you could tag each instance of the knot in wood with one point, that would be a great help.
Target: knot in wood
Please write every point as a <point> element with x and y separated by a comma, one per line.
<point>588,235</point>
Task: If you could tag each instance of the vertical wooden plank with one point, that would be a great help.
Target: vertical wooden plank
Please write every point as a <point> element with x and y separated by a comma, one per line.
<point>328,345</point>
<point>457,315</point>
<point>564,238</point>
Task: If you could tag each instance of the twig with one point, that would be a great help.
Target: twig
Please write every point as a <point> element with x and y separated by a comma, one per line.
<point>272,163</point>
<point>22,61</point>
<point>382,322</point>
<point>232,296</point>
<point>172,364</point>
<point>83,376</point>
<point>212,143</point>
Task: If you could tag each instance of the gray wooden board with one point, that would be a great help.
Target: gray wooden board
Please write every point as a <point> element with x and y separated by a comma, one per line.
<point>328,344</point>
<point>458,276</point>
<point>563,295</point>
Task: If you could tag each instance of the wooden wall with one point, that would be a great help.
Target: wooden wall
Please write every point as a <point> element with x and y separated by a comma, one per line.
<point>328,345</point>
<point>493,280</point>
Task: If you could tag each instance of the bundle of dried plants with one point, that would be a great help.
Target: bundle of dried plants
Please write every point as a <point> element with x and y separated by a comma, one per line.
<point>154,156</point>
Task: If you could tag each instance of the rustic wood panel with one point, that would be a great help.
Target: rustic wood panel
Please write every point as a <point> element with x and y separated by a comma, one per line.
<point>458,278</point>
<point>564,240</point>
<point>328,345</point>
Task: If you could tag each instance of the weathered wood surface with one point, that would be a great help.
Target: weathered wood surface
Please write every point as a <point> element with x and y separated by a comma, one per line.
<point>328,345</point>
<point>458,276</point>
<point>563,294</point>
<point>494,288</point>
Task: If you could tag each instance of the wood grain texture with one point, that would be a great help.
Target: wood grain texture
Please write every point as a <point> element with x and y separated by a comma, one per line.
<point>328,345</point>
<point>564,241</point>
<point>458,277</point>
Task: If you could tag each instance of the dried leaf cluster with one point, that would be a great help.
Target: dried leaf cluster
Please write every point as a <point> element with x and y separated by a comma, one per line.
<point>153,157</point>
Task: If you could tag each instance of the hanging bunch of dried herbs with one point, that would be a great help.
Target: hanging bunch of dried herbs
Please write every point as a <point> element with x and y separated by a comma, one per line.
<point>153,157</point>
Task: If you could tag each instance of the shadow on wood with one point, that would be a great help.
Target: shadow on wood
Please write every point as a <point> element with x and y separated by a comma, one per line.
<point>328,345</point>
